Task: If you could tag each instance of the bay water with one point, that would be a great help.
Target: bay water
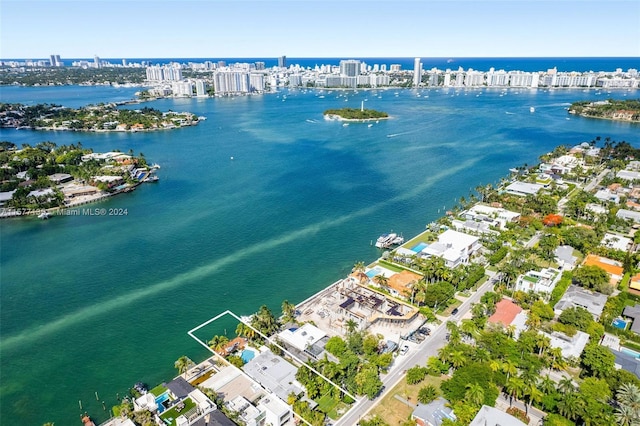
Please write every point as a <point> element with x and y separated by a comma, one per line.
<point>264,201</point>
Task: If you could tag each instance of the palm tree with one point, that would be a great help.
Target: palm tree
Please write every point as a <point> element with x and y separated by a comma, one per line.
<point>515,388</point>
<point>626,416</point>
<point>474,394</point>
<point>454,332</point>
<point>217,343</point>
<point>183,364</point>
<point>547,385</point>
<point>629,394</point>
<point>427,394</point>
<point>570,405</point>
<point>288,311</point>
<point>534,394</point>
<point>382,281</point>
<point>458,359</point>
<point>565,385</point>
<point>358,267</point>
<point>495,365</point>
<point>510,368</point>
<point>351,325</point>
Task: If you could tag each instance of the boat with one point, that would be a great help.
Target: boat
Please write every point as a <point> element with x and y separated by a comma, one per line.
<point>345,124</point>
<point>532,109</point>
<point>44,215</point>
<point>388,240</point>
<point>370,125</point>
<point>152,178</point>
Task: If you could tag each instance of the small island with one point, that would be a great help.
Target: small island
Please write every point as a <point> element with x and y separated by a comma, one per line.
<point>48,178</point>
<point>353,114</point>
<point>626,110</point>
<point>92,118</point>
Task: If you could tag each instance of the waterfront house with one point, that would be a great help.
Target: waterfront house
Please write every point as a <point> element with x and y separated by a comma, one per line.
<point>59,178</point>
<point>494,216</point>
<point>275,374</point>
<point>523,189</point>
<point>400,284</point>
<point>456,248</point>
<point>307,339</point>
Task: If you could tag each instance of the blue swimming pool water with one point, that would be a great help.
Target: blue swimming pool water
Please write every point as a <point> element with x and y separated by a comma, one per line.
<point>373,272</point>
<point>247,355</point>
<point>630,352</point>
<point>160,399</point>
<point>418,248</point>
<point>619,323</point>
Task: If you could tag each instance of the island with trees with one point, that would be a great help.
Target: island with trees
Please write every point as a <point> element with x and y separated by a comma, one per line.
<point>611,109</point>
<point>92,118</point>
<point>354,114</point>
<point>47,176</point>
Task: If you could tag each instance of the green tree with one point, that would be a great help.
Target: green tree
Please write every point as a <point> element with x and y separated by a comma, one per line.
<point>288,311</point>
<point>183,364</point>
<point>217,343</point>
<point>593,277</point>
<point>428,393</point>
<point>416,375</point>
<point>597,361</point>
<point>577,317</point>
<point>474,394</point>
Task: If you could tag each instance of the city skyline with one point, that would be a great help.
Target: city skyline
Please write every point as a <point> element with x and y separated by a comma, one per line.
<point>355,28</point>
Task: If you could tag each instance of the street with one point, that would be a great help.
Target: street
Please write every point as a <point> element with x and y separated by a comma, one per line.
<point>417,355</point>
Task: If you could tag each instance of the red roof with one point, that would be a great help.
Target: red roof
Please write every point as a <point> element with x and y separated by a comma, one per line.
<point>506,312</point>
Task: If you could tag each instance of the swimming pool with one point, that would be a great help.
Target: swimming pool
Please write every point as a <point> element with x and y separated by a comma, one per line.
<point>160,399</point>
<point>373,272</point>
<point>630,352</point>
<point>247,355</point>
<point>418,248</point>
<point>619,323</point>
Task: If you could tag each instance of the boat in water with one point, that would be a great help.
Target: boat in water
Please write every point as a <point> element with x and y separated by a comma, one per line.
<point>388,240</point>
<point>532,109</point>
<point>44,215</point>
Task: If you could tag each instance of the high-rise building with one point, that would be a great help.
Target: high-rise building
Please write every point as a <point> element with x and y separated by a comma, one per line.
<point>417,72</point>
<point>350,67</point>
<point>96,61</point>
<point>55,61</point>
<point>282,62</point>
<point>201,88</point>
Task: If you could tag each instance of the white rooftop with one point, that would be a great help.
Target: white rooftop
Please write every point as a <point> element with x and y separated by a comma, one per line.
<point>628,175</point>
<point>302,337</point>
<point>520,188</point>
<point>617,242</point>
<point>571,347</point>
<point>490,416</point>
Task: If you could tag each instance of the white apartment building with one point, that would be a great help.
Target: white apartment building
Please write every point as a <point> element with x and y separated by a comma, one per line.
<point>227,82</point>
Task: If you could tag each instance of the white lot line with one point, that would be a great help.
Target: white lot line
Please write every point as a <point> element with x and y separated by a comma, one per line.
<point>273,342</point>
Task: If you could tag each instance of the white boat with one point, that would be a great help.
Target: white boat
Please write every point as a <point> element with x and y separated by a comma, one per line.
<point>370,125</point>
<point>345,124</point>
<point>388,240</point>
<point>532,109</point>
<point>44,215</point>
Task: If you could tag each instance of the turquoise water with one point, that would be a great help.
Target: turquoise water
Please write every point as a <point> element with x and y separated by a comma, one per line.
<point>419,247</point>
<point>630,352</point>
<point>83,297</point>
<point>619,323</point>
<point>247,355</point>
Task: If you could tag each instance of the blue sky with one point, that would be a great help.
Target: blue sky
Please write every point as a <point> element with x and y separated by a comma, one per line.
<point>310,28</point>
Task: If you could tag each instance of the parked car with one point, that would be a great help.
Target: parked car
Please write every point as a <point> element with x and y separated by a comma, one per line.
<point>424,330</point>
<point>404,350</point>
<point>455,311</point>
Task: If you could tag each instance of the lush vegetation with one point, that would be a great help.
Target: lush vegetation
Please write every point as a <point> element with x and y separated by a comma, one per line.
<point>37,163</point>
<point>627,110</point>
<point>104,117</point>
<point>62,76</point>
<point>357,114</point>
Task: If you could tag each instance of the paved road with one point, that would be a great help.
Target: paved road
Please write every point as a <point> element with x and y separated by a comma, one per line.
<point>417,355</point>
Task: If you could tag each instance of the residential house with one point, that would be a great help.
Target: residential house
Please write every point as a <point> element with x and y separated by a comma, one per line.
<point>633,312</point>
<point>612,267</point>
<point>628,214</point>
<point>308,339</point>
<point>506,312</point>
<point>628,175</point>
<point>490,416</point>
<point>277,412</point>
<point>616,242</point>
<point>565,258</point>
<point>275,374</point>
<point>401,284</point>
<point>578,297</point>
<point>497,217</point>
<point>543,281</point>
<point>523,189</point>
<point>607,196</point>
<point>433,413</point>
<point>456,248</point>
